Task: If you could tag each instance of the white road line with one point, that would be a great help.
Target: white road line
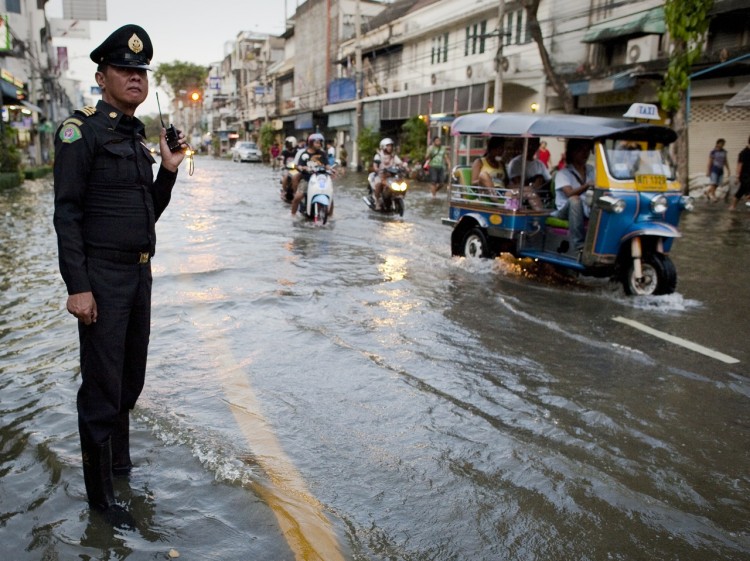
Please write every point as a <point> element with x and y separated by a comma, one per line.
<point>678,341</point>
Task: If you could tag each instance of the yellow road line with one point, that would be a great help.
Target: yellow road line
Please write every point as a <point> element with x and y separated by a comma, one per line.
<point>678,341</point>
<point>300,515</point>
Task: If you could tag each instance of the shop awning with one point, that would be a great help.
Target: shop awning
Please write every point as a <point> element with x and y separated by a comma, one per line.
<point>613,83</point>
<point>644,23</point>
<point>9,91</point>
<point>31,107</point>
<point>740,99</point>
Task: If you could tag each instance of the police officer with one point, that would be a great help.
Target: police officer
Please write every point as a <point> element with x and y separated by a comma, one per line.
<point>106,205</point>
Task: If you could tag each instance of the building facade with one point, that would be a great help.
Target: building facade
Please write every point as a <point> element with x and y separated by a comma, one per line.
<point>342,65</point>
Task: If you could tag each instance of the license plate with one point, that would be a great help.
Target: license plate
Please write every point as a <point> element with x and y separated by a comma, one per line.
<point>650,183</point>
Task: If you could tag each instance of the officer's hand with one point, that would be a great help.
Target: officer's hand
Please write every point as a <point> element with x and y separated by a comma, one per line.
<point>83,307</point>
<point>171,160</point>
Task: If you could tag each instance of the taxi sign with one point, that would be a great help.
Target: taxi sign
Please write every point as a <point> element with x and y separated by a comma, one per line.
<point>643,111</point>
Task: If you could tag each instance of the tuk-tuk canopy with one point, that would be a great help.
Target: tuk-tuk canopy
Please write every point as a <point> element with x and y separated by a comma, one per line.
<point>565,126</point>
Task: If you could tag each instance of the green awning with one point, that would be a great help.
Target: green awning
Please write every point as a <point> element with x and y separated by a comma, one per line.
<point>644,23</point>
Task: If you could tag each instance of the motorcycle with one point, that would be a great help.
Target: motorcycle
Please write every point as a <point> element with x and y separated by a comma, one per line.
<point>635,202</point>
<point>317,203</point>
<point>393,192</point>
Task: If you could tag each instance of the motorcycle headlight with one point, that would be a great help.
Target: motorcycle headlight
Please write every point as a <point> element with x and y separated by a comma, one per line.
<point>611,204</point>
<point>687,202</point>
<point>659,204</point>
<point>399,187</point>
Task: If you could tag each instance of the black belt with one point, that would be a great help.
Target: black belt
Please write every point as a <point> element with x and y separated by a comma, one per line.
<point>126,257</point>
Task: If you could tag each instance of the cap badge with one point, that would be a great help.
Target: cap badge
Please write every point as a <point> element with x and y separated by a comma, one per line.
<point>135,44</point>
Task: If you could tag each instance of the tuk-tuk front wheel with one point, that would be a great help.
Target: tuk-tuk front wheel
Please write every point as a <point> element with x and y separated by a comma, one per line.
<point>475,244</point>
<point>659,276</point>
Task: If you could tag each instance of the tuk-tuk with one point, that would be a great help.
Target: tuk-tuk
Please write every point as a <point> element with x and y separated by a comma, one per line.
<point>635,202</point>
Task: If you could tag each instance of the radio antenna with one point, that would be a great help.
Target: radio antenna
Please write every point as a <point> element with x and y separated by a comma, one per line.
<point>161,118</point>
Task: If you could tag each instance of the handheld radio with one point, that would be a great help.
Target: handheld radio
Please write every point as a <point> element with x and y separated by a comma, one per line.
<point>172,139</point>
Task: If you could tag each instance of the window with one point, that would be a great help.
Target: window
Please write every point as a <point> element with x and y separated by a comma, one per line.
<point>475,35</point>
<point>439,49</point>
<point>516,28</point>
<point>13,6</point>
<point>603,9</point>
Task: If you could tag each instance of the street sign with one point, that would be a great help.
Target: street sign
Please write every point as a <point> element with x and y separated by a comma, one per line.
<point>70,28</point>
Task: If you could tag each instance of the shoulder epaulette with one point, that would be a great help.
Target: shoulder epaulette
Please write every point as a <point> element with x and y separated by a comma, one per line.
<point>73,120</point>
<point>87,111</point>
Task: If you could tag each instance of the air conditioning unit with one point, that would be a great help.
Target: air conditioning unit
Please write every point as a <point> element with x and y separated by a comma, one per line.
<point>512,63</point>
<point>643,49</point>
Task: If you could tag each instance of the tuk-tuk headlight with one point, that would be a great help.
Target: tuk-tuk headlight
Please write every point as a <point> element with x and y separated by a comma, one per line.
<point>687,202</point>
<point>611,204</point>
<point>659,204</point>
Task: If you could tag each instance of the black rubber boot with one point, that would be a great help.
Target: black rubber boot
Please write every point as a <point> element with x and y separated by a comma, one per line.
<point>97,475</point>
<point>121,464</point>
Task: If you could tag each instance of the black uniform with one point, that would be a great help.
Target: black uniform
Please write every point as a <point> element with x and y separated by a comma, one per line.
<point>106,206</point>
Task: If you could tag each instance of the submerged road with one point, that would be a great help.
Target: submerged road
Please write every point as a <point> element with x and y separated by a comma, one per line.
<point>354,392</point>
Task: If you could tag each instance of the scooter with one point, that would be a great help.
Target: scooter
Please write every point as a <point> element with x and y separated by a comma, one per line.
<point>393,192</point>
<point>317,203</point>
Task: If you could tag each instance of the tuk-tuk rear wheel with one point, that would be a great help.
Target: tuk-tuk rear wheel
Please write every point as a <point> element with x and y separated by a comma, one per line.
<point>659,276</point>
<point>475,245</point>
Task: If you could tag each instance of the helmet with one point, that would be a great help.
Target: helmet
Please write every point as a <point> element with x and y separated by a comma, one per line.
<point>315,136</point>
<point>385,142</point>
<point>290,140</point>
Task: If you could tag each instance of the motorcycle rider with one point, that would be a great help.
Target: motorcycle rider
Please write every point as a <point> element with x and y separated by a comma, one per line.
<point>313,154</point>
<point>289,151</point>
<point>287,157</point>
<point>384,158</point>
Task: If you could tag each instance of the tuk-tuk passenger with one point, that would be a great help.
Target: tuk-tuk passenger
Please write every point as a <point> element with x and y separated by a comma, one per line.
<point>571,183</point>
<point>536,174</point>
<point>488,171</point>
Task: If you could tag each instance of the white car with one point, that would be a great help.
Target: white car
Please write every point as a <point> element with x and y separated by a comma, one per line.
<point>245,151</point>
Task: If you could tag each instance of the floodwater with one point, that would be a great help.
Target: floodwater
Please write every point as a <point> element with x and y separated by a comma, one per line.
<point>353,392</point>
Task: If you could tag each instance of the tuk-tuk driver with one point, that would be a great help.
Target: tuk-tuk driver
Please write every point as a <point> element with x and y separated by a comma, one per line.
<point>571,184</point>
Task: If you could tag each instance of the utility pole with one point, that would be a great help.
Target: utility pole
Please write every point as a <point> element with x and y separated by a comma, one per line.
<point>498,101</point>
<point>356,129</point>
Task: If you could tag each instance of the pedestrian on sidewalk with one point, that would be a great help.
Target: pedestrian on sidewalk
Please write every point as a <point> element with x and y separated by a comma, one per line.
<point>275,151</point>
<point>106,205</point>
<point>717,162</point>
<point>437,160</point>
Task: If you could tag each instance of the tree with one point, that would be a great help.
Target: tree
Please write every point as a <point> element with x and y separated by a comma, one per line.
<point>266,139</point>
<point>10,157</point>
<point>153,128</point>
<point>367,143</point>
<point>557,83</point>
<point>687,23</point>
<point>181,78</point>
<point>414,139</point>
